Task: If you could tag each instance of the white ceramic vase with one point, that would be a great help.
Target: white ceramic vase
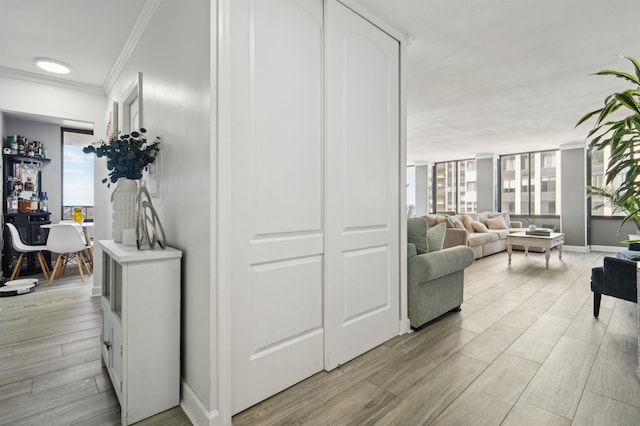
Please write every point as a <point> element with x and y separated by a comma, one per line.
<point>124,207</point>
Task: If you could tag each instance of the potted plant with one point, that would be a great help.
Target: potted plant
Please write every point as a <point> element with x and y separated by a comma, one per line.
<point>630,206</point>
<point>617,126</point>
<point>127,155</point>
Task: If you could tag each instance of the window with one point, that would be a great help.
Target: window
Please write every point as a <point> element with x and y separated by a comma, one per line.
<point>77,173</point>
<point>600,206</point>
<point>456,186</point>
<point>548,184</point>
<point>532,189</point>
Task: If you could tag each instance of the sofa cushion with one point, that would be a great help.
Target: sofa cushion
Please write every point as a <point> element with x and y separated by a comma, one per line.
<point>497,222</point>
<point>431,219</point>
<point>443,218</point>
<point>457,222</point>
<point>479,227</point>
<point>501,233</point>
<point>477,238</point>
<point>466,221</point>
<point>417,234</point>
<point>504,215</point>
<point>435,237</point>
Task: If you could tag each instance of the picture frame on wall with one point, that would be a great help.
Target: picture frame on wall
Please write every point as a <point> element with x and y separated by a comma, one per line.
<point>132,106</point>
<point>132,117</point>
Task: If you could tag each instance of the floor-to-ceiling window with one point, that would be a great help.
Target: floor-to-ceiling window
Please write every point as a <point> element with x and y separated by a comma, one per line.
<point>599,205</point>
<point>77,173</point>
<point>529,183</point>
<point>456,186</point>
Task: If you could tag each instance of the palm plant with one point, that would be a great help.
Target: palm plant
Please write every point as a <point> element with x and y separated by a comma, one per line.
<point>617,126</point>
<point>630,206</point>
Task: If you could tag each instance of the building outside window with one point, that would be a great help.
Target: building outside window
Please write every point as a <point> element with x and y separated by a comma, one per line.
<point>532,188</point>
<point>600,206</point>
<point>456,186</point>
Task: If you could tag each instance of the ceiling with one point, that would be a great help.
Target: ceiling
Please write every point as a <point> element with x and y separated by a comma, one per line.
<point>483,76</point>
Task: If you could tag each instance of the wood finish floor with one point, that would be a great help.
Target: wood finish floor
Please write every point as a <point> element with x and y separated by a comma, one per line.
<point>524,350</point>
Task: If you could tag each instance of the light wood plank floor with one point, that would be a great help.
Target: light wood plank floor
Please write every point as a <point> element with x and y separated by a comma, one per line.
<point>524,350</point>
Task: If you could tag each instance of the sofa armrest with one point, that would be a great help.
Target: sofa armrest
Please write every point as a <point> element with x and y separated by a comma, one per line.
<point>435,264</point>
<point>516,224</point>
<point>411,250</point>
<point>455,237</point>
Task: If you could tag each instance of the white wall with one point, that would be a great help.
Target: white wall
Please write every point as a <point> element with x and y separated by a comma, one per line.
<point>81,103</point>
<point>64,102</point>
<point>173,56</point>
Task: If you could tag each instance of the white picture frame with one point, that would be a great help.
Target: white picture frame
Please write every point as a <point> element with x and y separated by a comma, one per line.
<point>132,119</point>
<point>132,106</point>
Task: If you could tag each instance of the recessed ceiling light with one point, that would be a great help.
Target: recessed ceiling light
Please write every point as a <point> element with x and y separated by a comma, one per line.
<point>52,66</point>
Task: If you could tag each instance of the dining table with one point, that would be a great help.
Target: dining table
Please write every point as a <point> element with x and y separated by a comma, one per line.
<point>84,226</point>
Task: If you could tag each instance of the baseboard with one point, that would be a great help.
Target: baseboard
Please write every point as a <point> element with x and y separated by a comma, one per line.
<point>405,326</point>
<point>608,249</point>
<point>195,409</point>
<point>583,249</point>
<point>96,291</point>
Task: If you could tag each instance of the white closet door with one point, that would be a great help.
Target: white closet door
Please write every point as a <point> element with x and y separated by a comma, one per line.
<point>362,175</point>
<point>276,187</point>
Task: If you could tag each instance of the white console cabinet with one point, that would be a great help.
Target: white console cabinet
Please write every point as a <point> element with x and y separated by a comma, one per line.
<point>141,327</point>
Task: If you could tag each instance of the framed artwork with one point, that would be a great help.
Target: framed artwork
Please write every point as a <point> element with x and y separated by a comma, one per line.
<point>132,106</point>
<point>132,117</point>
<point>112,120</point>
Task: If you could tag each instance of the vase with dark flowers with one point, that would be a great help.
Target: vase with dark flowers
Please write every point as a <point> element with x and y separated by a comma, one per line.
<point>127,157</point>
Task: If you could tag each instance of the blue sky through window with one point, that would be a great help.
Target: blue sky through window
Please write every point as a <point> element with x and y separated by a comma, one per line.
<point>77,177</point>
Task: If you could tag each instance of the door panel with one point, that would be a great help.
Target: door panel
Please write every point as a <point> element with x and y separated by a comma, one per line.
<point>276,196</point>
<point>362,186</point>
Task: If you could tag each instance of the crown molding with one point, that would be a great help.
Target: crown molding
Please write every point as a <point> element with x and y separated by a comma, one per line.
<point>50,81</point>
<point>147,12</point>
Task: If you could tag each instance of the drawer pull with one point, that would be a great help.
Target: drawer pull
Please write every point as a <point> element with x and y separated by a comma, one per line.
<point>107,344</point>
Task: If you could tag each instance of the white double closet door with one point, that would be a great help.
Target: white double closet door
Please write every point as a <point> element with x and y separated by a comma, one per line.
<point>315,181</point>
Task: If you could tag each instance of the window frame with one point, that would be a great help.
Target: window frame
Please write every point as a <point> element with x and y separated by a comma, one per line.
<point>529,184</point>
<point>89,217</point>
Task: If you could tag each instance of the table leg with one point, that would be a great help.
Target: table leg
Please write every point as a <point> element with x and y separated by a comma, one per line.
<point>546,256</point>
<point>526,250</point>
<point>509,252</point>
<point>560,252</point>
<point>87,238</point>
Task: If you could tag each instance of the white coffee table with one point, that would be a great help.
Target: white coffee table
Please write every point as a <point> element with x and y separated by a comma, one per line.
<point>555,239</point>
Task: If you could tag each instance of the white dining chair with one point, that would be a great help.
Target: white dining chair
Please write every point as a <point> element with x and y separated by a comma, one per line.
<point>22,248</point>
<point>67,243</point>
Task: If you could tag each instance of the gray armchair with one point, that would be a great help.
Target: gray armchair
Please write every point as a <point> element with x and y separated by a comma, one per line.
<point>617,278</point>
<point>436,276</point>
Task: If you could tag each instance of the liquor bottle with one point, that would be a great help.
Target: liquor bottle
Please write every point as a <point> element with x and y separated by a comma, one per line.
<point>44,202</point>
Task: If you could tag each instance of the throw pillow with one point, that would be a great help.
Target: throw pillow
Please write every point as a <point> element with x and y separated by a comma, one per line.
<point>435,236</point>
<point>466,221</point>
<point>496,223</point>
<point>457,222</point>
<point>479,227</point>
<point>507,219</point>
<point>441,218</point>
<point>417,234</point>
<point>431,220</point>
